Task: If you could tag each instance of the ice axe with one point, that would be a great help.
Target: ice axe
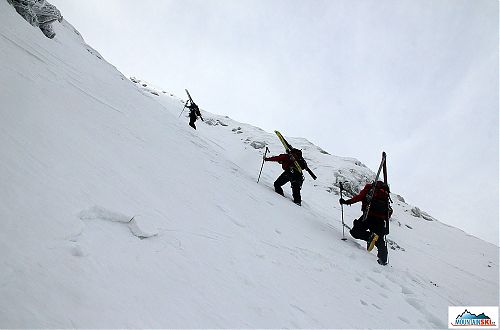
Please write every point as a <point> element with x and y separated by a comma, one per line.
<point>263,160</point>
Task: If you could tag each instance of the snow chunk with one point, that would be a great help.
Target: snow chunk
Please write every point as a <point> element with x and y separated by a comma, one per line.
<point>139,227</point>
<point>99,212</point>
<point>137,224</point>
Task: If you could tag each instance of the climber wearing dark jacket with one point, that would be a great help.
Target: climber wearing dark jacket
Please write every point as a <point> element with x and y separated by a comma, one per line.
<point>290,173</point>
<point>376,225</point>
<point>194,113</point>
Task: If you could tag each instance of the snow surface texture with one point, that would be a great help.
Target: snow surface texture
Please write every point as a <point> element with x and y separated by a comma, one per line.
<point>38,13</point>
<point>117,214</point>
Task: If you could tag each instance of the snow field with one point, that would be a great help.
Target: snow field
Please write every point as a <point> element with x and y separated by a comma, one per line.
<point>115,213</point>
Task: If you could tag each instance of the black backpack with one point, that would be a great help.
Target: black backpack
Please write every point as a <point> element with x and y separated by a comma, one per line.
<point>380,200</point>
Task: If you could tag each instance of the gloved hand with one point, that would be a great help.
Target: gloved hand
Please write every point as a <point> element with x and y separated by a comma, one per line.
<point>342,201</point>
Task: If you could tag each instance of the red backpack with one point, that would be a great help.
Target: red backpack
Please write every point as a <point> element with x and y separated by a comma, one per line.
<point>379,205</point>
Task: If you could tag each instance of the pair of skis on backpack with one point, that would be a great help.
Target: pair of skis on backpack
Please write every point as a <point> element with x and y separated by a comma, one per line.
<point>374,237</point>
<point>288,149</point>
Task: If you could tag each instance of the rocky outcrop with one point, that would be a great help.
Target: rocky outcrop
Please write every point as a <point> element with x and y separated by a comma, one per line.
<point>38,13</point>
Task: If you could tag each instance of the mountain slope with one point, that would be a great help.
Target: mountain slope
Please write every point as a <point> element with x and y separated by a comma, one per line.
<point>115,213</point>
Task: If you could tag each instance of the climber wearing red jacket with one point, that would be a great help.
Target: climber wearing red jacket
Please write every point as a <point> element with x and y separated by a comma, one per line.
<point>376,225</point>
<point>290,173</point>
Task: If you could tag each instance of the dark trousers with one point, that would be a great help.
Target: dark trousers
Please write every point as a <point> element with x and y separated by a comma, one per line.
<point>363,230</point>
<point>192,120</point>
<point>295,180</point>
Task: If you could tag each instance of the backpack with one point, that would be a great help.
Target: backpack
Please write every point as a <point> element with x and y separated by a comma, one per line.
<point>380,199</point>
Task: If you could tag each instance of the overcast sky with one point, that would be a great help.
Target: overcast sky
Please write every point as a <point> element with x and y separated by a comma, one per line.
<point>418,79</point>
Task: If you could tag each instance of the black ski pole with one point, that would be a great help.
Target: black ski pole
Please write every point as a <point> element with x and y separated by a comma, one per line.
<point>183,108</point>
<point>342,208</point>
<point>265,153</point>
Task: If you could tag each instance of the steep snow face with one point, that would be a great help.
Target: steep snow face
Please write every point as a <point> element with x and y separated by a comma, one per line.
<point>116,213</point>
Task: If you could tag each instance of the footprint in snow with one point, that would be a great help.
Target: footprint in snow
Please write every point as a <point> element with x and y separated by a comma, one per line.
<point>420,307</point>
<point>235,221</point>
<point>404,319</point>
<point>380,284</point>
<point>405,290</point>
<point>78,251</point>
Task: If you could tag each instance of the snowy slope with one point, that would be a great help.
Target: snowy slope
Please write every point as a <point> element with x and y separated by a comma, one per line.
<point>115,213</point>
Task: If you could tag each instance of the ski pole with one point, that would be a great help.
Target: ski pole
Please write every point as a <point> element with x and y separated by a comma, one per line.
<point>263,160</point>
<point>342,208</point>
<point>183,108</point>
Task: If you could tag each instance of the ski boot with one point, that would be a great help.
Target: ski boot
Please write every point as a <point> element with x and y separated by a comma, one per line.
<point>381,262</point>
<point>371,241</point>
